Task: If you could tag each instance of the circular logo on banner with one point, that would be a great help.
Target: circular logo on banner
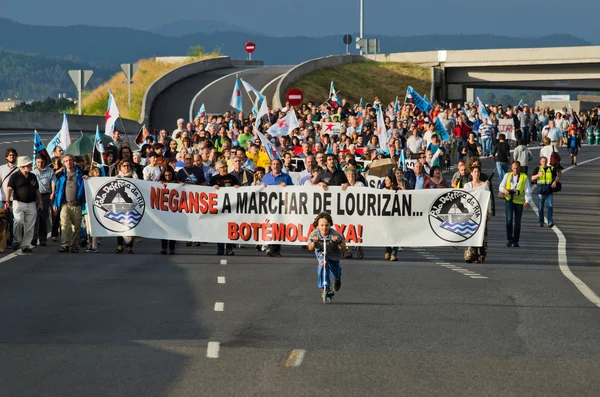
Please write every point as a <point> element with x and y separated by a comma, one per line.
<point>119,205</point>
<point>455,216</point>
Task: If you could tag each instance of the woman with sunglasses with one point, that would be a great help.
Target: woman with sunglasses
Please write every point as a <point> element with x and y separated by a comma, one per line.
<point>125,170</point>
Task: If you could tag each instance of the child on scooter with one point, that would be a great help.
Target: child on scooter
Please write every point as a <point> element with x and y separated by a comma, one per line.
<point>336,246</point>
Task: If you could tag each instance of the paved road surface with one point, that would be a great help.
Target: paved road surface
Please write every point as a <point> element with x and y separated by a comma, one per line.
<point>140,325</point>
<point>217,96</point>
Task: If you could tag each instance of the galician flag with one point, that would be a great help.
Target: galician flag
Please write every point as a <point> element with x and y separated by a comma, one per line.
<point>521,103</point>
<point>236,96</point>
<point>261,112</point>
<point>482,112</point>
<point>396,107</point>
<point>201,111</point>
<point>335,101</point>
<point>112,115</point>
<point>285,125</point>
<point>62,138</point>
<point>250,89</point>
<point>382,131</point>
<point>269,149</point>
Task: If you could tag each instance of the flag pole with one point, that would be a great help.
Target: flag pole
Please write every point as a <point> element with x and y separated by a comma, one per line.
<point>329,98</point>
<point>124,129</point>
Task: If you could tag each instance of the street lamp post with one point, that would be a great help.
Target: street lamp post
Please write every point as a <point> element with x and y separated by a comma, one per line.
<point>362,21</point>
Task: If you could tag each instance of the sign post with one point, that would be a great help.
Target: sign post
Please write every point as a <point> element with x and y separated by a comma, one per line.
<point>347,40</point>
<point>80,79</point>
<point>249,47</point>
<point>129,70</point>
<point>294,96</point>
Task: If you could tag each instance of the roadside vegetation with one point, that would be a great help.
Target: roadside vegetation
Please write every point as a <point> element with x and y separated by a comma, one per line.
<point>385,80</point>
<point>96,102</point>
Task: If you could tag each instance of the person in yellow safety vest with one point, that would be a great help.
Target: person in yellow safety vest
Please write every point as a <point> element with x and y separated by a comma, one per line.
<point>546,177</point>
<point>517,193</point>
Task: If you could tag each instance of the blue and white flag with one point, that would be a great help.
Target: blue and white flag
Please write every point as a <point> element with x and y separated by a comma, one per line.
<point>419,102</point>
<point>62,138</point>
<point>284,126</point>
<point>521,103</point>
<point>482,112</point>
<point>201,111</point>
<point>396,108</point>
<point>362,103</point>
<point>98,153</point>
<point>236,96</point>
<point>262,112</point>
<point>269,148</point>
<point>402,161</point>
<point>439,128</point>
<point>382,131</point>
<point>39,149</point>
<point>335,101</point>
<point>250,89</point>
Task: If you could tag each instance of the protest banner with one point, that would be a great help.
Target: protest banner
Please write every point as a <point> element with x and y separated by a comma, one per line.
<point>507,127</point>
<point>284,215</point>
<point>374,181</point>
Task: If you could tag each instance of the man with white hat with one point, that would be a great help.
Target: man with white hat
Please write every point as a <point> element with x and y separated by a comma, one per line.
<point>27,200</point>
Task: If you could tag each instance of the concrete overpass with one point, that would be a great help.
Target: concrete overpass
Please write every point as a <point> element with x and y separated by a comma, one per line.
<point>457,73</point>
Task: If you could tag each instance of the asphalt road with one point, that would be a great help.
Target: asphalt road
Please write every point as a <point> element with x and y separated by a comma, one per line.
<point>217,96</point>
<point>430,324</point>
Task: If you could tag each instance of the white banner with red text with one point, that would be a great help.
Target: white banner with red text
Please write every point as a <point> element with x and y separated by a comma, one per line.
<point>284,215</point>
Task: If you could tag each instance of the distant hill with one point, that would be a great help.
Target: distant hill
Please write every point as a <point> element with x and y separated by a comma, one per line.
<point>104,48</point>
<point>118,45</point>
<point>31,76</point>
<point>191,26</point>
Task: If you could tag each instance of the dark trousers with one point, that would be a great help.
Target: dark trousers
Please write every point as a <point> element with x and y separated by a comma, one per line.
<point>168,243</point>
<point>274,247</point>
<point>122,241</point>
<point>11,222</point>
<point>514,212</point>
<point>41,222</point>
<point>55,223</point>
<point>222,247</point>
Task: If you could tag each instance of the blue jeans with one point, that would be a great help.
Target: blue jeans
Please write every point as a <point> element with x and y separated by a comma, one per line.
<point>549,202</point>
<point>502,169</point>
<point>486,142</point>
<point>514,212</point>
<point>333,268</point>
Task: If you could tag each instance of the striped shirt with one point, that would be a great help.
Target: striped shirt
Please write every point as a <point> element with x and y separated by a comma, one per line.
<point>485,130</point>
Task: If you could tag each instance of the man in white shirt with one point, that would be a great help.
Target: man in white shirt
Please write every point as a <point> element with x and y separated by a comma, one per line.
<point>415,143</point>
<point>6,171</point>
<point>517,194</point>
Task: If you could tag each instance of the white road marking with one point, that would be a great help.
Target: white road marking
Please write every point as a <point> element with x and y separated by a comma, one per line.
<point>192,116</point>
<point>262,90</point>
<point>9,256</point>
<point>478,276</point>
<point>450,266</point>
<point>223,261</point>
<point>221,279</point>
<point>563,264</point>
<point>219,306</point>
<point>441,263</point>
<point>296,357</point>
<point>212,350</point>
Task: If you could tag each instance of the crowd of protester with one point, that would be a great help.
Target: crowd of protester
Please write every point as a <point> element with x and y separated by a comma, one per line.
<point>223,150</point>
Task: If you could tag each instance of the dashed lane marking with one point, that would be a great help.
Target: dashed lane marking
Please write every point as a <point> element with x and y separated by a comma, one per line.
<point>212,351</point>
<point>295,358</point>
<point>219,306</point>
<point>221,279</point>
<point>223,261</point>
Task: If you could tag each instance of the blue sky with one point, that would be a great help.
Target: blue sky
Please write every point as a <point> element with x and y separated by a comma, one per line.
<point>318,18</point>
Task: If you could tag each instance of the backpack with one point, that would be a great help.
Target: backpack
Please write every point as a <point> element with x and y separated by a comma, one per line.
<point>555,159</point>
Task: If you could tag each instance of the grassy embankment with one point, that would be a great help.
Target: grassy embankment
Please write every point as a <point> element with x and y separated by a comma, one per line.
<point>96,101</point>
<point>368,80</point>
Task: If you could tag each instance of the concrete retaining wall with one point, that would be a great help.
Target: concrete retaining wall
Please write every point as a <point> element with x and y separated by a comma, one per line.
<point>307,67</point>
<point>21,121</point>
<point>182,72</point>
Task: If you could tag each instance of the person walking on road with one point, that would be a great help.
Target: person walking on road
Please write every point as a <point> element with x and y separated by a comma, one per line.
<point>68,202</point>
<point>23,187</point>
<point>546,177</point>
<point>574,145</point>
<point>6,171</point>
<point>502,155</point>
<point>47,184</point>
<point>517,193</point>
<point>478,254</point>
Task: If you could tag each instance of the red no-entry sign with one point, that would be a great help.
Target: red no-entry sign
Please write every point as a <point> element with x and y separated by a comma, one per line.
<point>250,47</point>
<point>294,96</point>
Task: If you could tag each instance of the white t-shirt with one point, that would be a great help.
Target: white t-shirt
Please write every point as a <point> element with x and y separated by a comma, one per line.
<point>152,173</point>
<point>414,144</point>
<point>5,171</point>
<point>546,152</point>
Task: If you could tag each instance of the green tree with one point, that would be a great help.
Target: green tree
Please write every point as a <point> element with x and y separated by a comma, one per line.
<point>196,51</point>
